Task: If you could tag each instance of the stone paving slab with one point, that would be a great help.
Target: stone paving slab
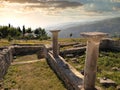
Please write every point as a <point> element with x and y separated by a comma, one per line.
<point>25,62</point>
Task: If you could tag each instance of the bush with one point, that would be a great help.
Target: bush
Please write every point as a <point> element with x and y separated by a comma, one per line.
<point>10,38</point>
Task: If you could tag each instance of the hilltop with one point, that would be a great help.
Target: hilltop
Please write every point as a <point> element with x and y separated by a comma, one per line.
<point>111,26</point>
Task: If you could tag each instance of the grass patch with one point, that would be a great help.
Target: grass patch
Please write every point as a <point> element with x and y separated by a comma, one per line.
<point>34,76</point>
<point>5,42</point>
<point>72,40</point>
<point>105,63</point>
<point>26,58</point>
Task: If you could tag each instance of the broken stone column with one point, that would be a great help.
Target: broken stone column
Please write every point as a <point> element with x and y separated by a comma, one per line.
<point>55,42</point>
<point>90,69</point>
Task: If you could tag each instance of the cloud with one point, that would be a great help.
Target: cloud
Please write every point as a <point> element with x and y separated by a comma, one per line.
<point>57,4</point>
<point>49,3</point>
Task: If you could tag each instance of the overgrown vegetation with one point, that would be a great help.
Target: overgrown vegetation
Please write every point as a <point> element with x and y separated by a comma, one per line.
<point>106,61</point>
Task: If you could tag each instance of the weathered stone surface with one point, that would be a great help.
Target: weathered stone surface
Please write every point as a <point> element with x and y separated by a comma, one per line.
<point>55,45</point>
<point>40,53</point>
<point>109,44</point>
<point>107,82</point>
<point>5,61</point>
<point>79,45</point>
<point>106,44</point>
<point>74,60</point>
<point>68,44</point>
<point>118,87</point>
<point>24,50</point>
<point>115,69</point>
<point>6,55</point>
<point>75,51</point>
<point>92,52</point>
<point>72,78</point>
<point>69,55</point>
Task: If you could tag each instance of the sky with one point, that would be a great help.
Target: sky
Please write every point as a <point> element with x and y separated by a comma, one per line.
<point>46,13</point>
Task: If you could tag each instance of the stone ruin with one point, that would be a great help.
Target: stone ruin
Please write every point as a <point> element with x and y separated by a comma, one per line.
<point>7,54</point>
<point>72,79</point>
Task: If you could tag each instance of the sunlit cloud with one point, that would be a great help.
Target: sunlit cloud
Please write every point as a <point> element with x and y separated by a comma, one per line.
<point>51,12</point>
<point>48,3</point>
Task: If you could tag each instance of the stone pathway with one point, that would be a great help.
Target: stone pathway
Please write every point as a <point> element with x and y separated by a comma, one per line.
<point>25,62</point>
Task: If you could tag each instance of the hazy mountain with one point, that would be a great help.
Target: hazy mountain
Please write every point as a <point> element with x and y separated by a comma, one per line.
<point>111,26</point>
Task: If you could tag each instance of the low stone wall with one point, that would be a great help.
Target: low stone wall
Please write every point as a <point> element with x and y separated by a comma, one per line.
<point>29,49</point>
<point>68,44</point>
<point>6,55</point>
<point>71,77</point>
<point>109,44</point>
<point>74,51</point>
<point>6,58</point>
<point>106,44</point>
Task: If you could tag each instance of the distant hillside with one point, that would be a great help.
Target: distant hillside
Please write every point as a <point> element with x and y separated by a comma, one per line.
<point>110,26</point>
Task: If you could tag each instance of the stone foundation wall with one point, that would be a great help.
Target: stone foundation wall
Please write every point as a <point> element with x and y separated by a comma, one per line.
<point>28,49</point>
<point>6,55</point>
<point>74,51</point>
<point>71,77</point>
<point>6,58</point>
<point>109,44</point>
<point>106,44</point>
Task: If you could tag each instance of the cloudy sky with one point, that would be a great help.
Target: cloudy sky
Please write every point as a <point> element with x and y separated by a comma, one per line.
<point>45,13</point>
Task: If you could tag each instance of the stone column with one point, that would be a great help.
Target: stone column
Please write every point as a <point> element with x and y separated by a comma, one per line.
<point>55,42</point>
<point>90,69</point>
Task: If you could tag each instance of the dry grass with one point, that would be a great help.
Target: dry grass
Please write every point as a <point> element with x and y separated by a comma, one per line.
<point>72,40</point>
<point>4,42</point>
<point>31,41</point>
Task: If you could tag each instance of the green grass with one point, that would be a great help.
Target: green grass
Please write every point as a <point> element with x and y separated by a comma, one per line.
<point>105,62</point>
<point>34,76</point>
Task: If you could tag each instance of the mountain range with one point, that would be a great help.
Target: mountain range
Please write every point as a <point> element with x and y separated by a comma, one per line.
<point>110,26</point>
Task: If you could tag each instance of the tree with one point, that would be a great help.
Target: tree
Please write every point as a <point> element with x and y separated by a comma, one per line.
<point>23,31</point>
<point>9,25</point>
<point>41,33</point>
<point>19,30</point>
<point>4,31</point>
<point>71,35</point>
<point>29,30</point>
<point>10,38</point>
<point>37,32</point>
<point>0,35</point>
<point>13,32</point>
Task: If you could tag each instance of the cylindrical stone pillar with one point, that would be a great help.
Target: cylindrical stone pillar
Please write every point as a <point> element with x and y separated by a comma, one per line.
<point>55,42</point>
<point>92,52</point>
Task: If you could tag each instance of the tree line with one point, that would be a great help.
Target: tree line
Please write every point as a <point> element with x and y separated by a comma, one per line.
<point>22,33</point>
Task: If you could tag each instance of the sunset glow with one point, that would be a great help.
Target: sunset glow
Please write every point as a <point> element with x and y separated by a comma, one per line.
<point>45,13</point>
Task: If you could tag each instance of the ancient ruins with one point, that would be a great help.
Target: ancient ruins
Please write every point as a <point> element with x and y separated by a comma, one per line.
<point>91,58</point>
<point>72,79</point>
